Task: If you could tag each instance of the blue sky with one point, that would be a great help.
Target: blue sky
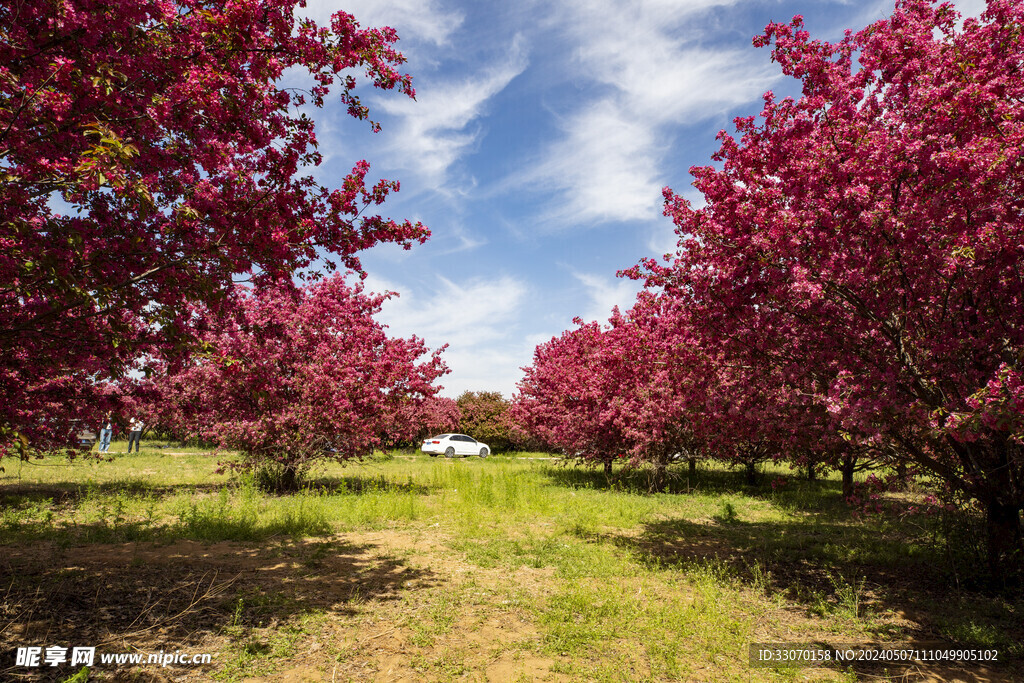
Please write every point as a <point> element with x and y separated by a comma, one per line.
<point>536,150</point>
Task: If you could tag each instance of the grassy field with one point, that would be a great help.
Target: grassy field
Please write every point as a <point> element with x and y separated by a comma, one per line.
<point>407,567</point>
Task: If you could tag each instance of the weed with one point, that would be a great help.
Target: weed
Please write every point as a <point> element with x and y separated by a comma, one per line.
<point>726,512</point>
<point>760,577</point>
<point>81,676</point>
<point>848,594</point>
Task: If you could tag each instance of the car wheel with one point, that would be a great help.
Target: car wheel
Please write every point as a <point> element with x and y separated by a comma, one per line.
<point>449,452</point>
<point>484,453</point>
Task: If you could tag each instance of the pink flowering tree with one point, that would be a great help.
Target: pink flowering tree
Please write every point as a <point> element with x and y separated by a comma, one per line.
<point>650,387</point>
<point>148,154</point>
<point>678,396</point>
<point>484,416</point>
<point>291,377</point>
<point>563,396</point>
<point>661,382</point>
<point>415,420</point>
<point>865,240</point>
<point>632,390</point>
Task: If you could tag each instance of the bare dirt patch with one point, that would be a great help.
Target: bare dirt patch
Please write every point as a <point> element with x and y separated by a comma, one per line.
<point>186,596</point>
<point>384,605</point>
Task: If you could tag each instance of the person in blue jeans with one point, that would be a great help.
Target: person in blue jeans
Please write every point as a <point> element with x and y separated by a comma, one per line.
<point>105,432</point>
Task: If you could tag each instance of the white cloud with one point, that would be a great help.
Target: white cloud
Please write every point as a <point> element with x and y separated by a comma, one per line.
<point>474,318</point>
<point>668,84</point>
<point>605,293</point>
<point>421,20</point>
<point>472,312</point>
<point>605,167</point>
<point>970,8</point>
<point>608,164</point>
<point>435,130</point>
<point>483,369</point>
<point>460,241</point>
<point>651,55</point>
<point>663,239</point>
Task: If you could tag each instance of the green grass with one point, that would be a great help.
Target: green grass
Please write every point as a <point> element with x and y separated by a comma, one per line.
<point>605,580</point>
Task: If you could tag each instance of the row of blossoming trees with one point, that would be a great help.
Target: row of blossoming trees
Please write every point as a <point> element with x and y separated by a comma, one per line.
<point>851,290</point>
<point>150,159</point>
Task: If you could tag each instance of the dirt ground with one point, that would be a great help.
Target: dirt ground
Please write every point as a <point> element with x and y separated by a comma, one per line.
<point>201,598</point>
<point>395,605</point>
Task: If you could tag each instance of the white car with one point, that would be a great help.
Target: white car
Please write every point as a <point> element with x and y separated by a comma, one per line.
<point>454,444</point>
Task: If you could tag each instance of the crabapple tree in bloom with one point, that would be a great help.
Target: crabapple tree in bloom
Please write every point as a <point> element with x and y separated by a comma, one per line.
<point>484,416</point>
<point>648,387</point>
<point>867,241</point>
<point>626,390</point>
<point>660,382</point>
<point>562,397</point>
<point>741,410</point>
<point>415,420</point>
<point>292,376</point>
<point>148,154</point>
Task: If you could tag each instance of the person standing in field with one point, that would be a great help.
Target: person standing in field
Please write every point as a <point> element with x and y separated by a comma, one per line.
<point>135,435</point>
<point>106,430</point>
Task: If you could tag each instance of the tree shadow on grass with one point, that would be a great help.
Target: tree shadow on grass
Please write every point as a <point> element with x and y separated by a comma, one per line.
<point>358,484</point>
<point>206,518</point>
<point>14,495</point>
<point>800,552</point>
<point>637,480</point>
<point>184,596</point>
<point>822,495</point>
<point>128,511</point>
<point>854,570</point>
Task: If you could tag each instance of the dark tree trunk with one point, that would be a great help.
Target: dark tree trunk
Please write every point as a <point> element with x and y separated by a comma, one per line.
<point>1005,544</point>
<point>812,473</point>
<point>847,469</point>
<point>289,478</point>
<point>752,473</point>
<point>901,476</point>
<point>607,466</point>
<point>693,465</point>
